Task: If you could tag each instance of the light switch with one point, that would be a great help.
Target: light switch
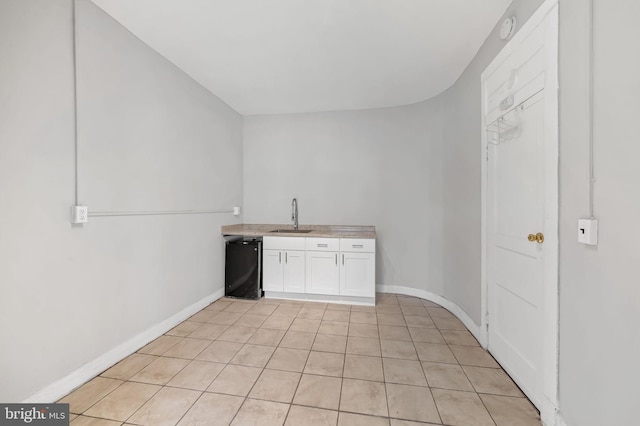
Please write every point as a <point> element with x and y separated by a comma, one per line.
<point>236,211</point>
<point>588,231</point>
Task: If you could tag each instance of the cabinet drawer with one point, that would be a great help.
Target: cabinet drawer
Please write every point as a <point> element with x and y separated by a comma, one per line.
<point>358,245</point>
<point>323,244</point>
<point>283,243</point>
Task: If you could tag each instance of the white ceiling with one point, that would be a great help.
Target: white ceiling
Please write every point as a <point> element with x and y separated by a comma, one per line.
<point>288,56</point>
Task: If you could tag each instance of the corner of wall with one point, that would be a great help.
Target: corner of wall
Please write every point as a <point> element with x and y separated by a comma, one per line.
<point>65,385</point>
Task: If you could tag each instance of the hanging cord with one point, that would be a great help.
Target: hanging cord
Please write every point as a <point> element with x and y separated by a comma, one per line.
<point>592,178</point>
<point>75,98</point>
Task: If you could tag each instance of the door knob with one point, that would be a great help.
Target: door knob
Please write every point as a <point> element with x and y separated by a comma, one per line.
<point>539,237</point>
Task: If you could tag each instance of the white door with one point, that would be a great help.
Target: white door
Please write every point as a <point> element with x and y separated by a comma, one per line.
<point>520,116</point>
<point>357,274</point>
<point>322,272</point>
<point>515,200</point>
<point>294,271</point>
<point>272,270</point>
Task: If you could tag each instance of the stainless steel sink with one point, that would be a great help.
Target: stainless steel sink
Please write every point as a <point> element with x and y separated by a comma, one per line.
<point>292,231</point>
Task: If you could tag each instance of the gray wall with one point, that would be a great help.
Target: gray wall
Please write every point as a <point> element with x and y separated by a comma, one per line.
<point>71,293</point>
<point>599,291</point>
<point>149,137</point>
<point>413,172</point>
<point>462,171</point>
<point>375,167</point>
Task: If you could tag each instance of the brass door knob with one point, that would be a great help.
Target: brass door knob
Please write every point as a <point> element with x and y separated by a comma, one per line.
<point>539,238</point>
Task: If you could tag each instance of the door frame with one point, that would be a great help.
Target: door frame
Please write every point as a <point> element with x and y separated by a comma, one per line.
<point>547,15</point>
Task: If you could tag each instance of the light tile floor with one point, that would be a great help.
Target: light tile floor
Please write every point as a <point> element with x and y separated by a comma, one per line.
<point>405,362</point>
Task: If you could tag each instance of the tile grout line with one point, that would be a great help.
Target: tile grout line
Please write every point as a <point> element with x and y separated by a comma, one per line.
<point>422,368</point>
<point>244,401</point>
<point>262,371</point>
<point>190,407</point>
<point>486,408</point>
<point>100,399</point>
<point>162,386</point>
<point>246,397</point>
<point>467,377</point>
<point>301,310</point>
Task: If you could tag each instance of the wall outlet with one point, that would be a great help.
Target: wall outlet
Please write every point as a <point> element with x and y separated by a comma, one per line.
<point>588,231</point>
<point>79,214</point>
<point>236,211</point>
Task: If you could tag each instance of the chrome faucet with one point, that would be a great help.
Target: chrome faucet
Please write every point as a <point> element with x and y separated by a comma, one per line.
<point>294,213</point>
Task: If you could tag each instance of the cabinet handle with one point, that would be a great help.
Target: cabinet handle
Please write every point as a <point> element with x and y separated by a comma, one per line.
<point>322,245</point>
<point>357,245</point>
<point>280,257</point>
<point>343,259</point>
<point>286,257</point>
<point>336,259</point>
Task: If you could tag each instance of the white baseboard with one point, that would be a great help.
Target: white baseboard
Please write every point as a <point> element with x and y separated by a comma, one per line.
<point>62,387</point>
<point>325,298</point>
<point>549,415</point>
<point>445,303</point>
<point>559,421</point>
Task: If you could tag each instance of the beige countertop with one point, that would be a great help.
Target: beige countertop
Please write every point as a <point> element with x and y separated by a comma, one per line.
<point>328,231</point>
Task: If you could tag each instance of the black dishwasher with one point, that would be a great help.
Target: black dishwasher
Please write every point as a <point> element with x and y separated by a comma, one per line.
<point>243,268</point>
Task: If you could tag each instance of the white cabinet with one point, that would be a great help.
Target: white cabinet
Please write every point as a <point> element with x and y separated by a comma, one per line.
<point>357,245</point>
<point>272,270</point>
<point>357,274</point>
<point>357,267</point>
<point>323,270</point>
<point>294,279</point>
<point>283,264</point>
<point>340,268</point>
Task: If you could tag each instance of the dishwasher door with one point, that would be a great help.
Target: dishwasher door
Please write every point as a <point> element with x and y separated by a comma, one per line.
<point>243,269</point>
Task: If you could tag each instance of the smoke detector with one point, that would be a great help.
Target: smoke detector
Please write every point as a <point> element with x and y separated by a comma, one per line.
<point>508,28</point>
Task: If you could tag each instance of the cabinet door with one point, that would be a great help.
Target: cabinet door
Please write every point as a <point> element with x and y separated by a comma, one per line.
<point>358,274</point>
<point>272,270</point>
<point>294,271</point>
<point>323,273</point>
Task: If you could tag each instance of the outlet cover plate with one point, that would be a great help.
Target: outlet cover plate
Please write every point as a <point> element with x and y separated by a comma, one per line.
<point>79,214</point>
<point>588,231</point>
